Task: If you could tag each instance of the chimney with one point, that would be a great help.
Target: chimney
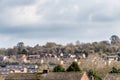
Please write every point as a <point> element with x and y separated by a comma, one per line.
<point>92,78</point>
<point>25,70</point>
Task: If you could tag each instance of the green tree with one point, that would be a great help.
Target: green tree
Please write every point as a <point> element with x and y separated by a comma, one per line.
<point>24,51</point>
<point>115,40</point>
<point>58,68</point>
<point>74,67</point>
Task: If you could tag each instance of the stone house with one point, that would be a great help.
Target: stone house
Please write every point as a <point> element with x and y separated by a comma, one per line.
<point>113,58</point>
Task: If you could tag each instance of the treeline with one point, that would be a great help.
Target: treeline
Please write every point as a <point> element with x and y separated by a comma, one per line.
<point>107,47</point>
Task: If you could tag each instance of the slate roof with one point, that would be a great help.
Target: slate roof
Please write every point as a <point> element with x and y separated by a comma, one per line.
<point>112,77</point>
<point>21,76</point>
<point>63,76</point>
<point>49,76</point>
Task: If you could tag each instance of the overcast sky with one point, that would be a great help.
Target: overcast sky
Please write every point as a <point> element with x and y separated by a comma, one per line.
<point>61,21</point>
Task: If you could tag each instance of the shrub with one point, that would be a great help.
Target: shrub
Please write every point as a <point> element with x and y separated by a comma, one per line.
<point>115,70</point>
<point>58,68</point>
<point>74,67</point>
<point>93,74</point>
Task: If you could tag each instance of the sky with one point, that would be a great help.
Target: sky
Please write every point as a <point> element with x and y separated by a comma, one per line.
<point>61,21</point>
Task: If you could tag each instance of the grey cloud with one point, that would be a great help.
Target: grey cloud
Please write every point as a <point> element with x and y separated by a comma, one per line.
<point>105,18</point>
<point>14,3</point>
<point>61,31</point>
<point>46,31</point>
<point>67,10</point>
<point>72,20</point>
<point>9,4</point>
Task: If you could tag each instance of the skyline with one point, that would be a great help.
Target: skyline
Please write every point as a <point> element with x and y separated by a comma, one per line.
<point>61,21</point>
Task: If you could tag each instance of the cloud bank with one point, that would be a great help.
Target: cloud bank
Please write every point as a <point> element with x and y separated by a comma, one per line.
<point>62,21</point>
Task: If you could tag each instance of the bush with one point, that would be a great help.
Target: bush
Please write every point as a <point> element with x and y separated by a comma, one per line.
<point>93,74</point>
<point>58,68</point>
<point>115,70</point>
<point>74,67</point>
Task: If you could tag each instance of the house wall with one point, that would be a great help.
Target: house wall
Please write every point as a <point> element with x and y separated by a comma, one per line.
<point>85,77</point>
